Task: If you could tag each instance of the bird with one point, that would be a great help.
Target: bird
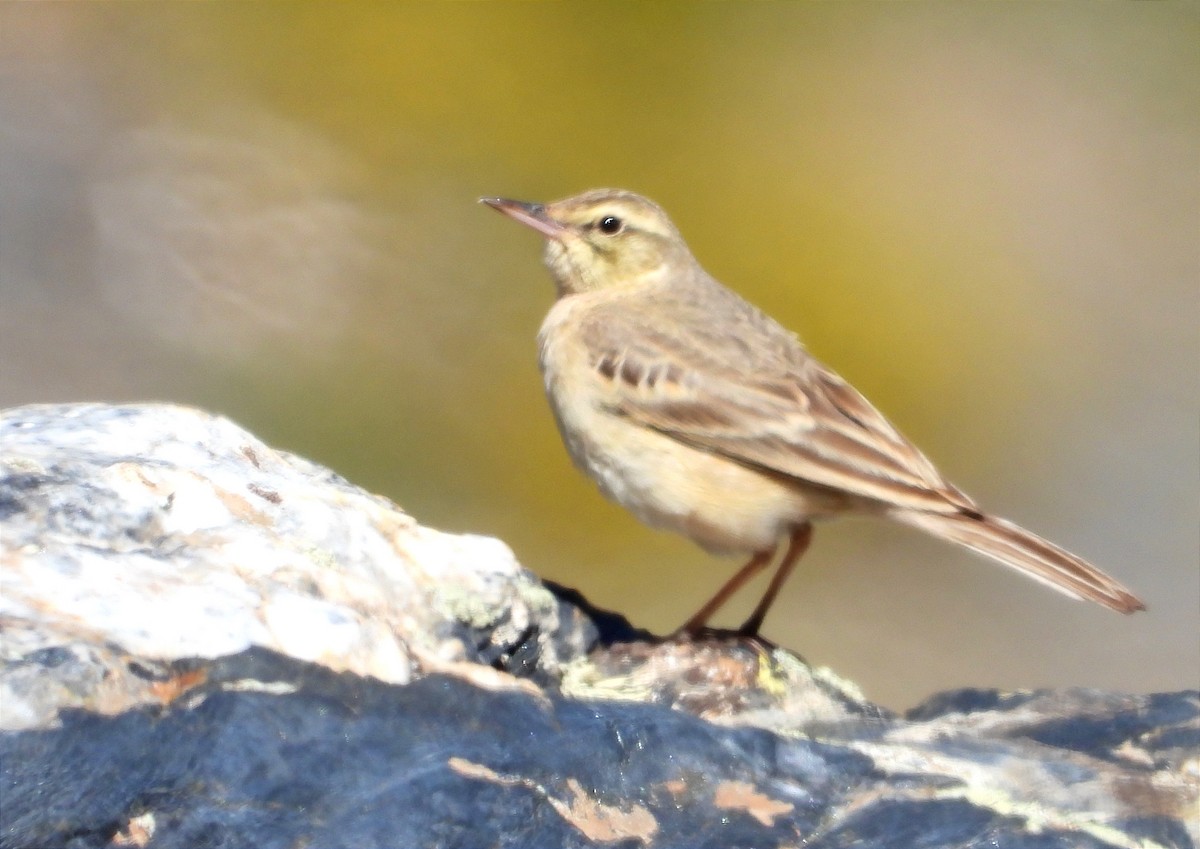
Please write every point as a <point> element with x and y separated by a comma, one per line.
<point>702,415</point>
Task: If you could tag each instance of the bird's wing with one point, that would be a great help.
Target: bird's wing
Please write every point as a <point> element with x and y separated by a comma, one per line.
<point>769,406</point>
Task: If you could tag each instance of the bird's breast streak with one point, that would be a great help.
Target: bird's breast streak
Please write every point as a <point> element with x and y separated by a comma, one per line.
<point>721,505</point>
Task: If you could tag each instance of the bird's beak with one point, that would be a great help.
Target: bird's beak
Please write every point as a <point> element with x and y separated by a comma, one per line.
<point>530,214</point>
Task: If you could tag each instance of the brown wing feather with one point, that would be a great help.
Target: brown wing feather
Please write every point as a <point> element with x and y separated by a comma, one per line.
<point>1036,557</point>
<point>771,407</point>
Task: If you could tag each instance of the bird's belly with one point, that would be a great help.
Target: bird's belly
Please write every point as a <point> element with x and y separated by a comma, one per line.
<point>721,505</point>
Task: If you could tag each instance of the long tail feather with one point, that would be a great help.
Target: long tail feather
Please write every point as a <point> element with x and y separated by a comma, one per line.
<point>1016,547</point>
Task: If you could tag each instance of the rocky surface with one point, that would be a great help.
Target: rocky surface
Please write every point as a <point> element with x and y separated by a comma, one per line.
<point>208,642</point>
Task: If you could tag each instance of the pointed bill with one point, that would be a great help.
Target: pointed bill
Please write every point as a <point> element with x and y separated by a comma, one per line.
<point>530,214</point>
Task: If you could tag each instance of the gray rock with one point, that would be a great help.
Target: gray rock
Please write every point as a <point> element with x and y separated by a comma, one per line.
<point>206,641</point>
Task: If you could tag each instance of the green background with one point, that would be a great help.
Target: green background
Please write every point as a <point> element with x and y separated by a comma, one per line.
<point>985,216</point>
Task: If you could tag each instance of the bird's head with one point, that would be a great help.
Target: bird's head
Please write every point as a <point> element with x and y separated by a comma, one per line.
<point>603,239</point>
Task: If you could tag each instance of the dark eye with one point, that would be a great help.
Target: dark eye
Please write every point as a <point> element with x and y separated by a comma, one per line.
<point>610,224</point>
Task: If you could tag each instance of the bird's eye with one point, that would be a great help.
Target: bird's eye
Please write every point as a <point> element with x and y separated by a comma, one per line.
<point>610,224</point>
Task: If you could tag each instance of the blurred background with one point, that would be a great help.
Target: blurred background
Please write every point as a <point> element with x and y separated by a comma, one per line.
<point>986,217</point>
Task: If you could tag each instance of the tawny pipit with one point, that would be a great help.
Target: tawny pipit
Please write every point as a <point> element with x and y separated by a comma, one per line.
<point>702,415</point>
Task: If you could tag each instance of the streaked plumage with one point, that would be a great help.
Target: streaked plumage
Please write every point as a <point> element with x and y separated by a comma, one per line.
<point>702,415</point>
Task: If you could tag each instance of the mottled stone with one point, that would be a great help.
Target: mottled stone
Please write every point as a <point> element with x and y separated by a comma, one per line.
<point>160,532</point>
<point>204,641</point>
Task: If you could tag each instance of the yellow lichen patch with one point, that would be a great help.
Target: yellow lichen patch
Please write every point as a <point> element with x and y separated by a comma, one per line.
<point>582,680</point>
<point>773,678</point>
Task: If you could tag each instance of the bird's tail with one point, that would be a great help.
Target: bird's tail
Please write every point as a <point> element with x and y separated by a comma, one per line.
<point>1016,547</point>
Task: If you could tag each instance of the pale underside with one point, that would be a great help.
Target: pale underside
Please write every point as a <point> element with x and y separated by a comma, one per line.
<point>756,439</point>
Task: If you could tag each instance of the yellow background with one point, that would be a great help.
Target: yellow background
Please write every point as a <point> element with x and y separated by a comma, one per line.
<point>985,216</point>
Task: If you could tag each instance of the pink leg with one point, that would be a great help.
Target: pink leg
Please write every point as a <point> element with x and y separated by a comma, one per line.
<point>696,624</point>
<point>801,537</point>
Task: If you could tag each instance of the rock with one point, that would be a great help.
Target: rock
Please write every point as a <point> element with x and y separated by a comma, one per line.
<point>206,641</point>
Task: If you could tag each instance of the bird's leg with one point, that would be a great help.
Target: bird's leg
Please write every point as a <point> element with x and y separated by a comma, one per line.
<point>696,624</point>
<point>801,537</point>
